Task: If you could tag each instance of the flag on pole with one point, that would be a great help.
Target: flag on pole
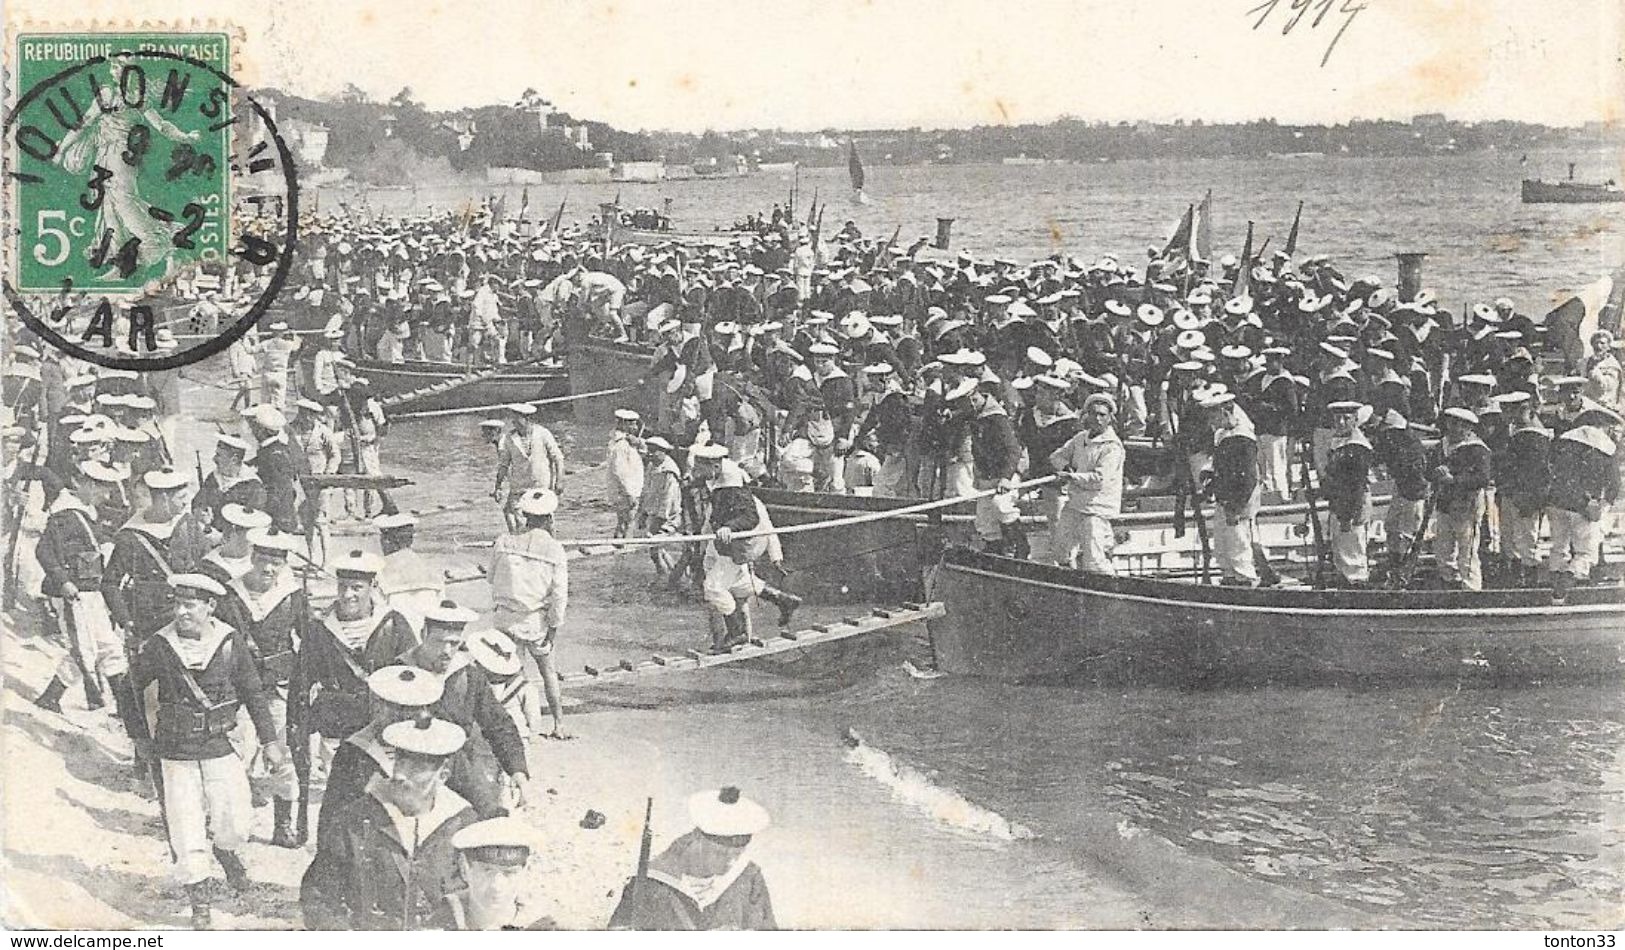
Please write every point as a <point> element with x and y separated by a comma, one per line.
<point>1202,239</point>
<point>1245,271</point>
<point>1179,246</point>
<point>558,216</point>
<point>524,202</point>
<point>1292,235</point>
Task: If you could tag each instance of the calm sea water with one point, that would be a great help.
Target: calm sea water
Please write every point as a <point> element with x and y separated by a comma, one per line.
<point>1434,806</point>
<point>1463,211</point>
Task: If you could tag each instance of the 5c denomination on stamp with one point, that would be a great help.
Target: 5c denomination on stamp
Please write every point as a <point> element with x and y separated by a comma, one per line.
<point>139,170</point>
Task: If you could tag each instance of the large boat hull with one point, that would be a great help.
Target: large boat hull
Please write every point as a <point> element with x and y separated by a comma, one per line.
<point>595,364</point>
<point>1023,622</point>
<point>389,381</point>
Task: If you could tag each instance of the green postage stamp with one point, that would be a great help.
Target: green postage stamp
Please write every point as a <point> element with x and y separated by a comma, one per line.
<point>122,160</point>
<point>141,177</point>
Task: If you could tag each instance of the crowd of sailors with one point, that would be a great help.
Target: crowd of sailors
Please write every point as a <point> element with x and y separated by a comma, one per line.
<point>822,363</point>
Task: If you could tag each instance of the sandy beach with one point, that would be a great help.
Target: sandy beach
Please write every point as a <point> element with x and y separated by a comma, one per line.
<point>84,846</point>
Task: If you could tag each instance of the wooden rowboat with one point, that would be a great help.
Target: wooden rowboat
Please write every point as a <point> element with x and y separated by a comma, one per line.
<point>1020,621</point>
<point>1569,192</point>
<point>594,364</point>
<point>519,384</point>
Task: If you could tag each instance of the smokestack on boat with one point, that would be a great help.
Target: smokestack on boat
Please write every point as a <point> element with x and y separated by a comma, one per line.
<point>1410,274</point>
<point>945,227</point>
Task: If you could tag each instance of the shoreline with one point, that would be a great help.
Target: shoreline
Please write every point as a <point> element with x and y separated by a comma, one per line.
<point>83,848</point>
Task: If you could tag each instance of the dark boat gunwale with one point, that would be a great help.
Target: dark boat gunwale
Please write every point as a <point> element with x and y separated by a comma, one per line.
<point>1301,601</point>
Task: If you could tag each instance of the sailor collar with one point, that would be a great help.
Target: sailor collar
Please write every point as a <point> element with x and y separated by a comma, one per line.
<point>158,531</point>
<point>197,654</point>
<point>704,891</point>
<point>1044,419</point>
<point>1343,441</point>
<point>234,567</point>
<point>68,501</point>
<point>346,631</point>
<point>281,437</point>
<point>410,831</point>
<point>835,372</point>
<point>244,475</point>
<point>260,606</point>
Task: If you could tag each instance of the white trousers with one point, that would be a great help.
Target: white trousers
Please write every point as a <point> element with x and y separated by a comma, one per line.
<point>1575,542</point>
<point>1233,543</point>
<point>728,582</point>
<point>1519,532</point>
<point>1083,541</point>
<point>1402,523</point>
<point>1455,544</point>
<point>205,800</point>
<point>893,478</point>
<point>1272,464</point>
<point>959,479</point>
<point>270,782</point>
<point>1348,544</point>
<point>994,511</point>
<point>87,624</point>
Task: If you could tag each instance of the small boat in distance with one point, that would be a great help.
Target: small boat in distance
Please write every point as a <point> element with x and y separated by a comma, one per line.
<point>1570,191</point>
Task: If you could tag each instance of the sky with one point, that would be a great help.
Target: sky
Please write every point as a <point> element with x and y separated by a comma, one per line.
<point>692,65</point>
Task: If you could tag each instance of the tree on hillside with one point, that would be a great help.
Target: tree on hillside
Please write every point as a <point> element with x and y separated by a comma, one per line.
<point>351,93</point>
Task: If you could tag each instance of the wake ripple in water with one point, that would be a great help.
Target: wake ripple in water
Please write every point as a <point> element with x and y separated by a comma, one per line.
<point>942,805</point>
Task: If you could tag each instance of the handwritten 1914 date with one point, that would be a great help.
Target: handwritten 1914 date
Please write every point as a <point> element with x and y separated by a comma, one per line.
<point>1296,10</point>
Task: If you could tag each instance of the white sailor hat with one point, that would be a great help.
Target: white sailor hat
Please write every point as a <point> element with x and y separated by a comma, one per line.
<point>140,403</point>
<point>495,651</point>
<point>709,450</point>
<point>79,381</point>
<point>1345,406</point>
<point>164,479</point>
<point>1214,400</point>
<point>1186,320</point>
<point>130,436</point>
<point>1477,379</point>
<point>725,813</point>
<point>658,442</point>
<point>406,686</point>
<point>627,415</point>
<point>878,369</point>
<point>449,613</point>
<point>503,841</point>
<point>85,434</point>
<point>334,334</point>
<point>725,328</point>
<point>98,471</point>
<point>244,517</point>
<point>1189,366</point>
<point>1150,314</point>
<point>279,326</point>
<point>110,399</point>
<point>1020,309</point>
<point>1237,306</point>
<point>1462,414</point>
<point>1190,339</point>
<point>1052,382</point>
<point>1039,357</point>
<point>669,325</point>
<point>272,539</point>
<point>1236,351</point>
<point>224,440</point>
<point>998,300</point>
<point>1380,353</point>
<point>1275,351</point>
<point>965,388</point>
<point>1118,308</point>
<point>266,416</point>
<point>1020,383</point>
<point>1598,414</point>
<point>823,349</point>
<point>538,502</point>
<point>973,358</point>
<point>357,565</point>
<point>491,424</point>
<point>196,584</point>
<point>521,409</point>
<point>1331,350</point>
<point>1514,398</point>
<point>1203,354</point>
<point>426,736</point>
<point>395,522</point>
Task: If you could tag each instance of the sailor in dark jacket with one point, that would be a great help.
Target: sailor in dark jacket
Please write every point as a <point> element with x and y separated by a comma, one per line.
<point>278,465</point>
<point>70,556</point>
<point>357,635</point>
<point>1348,492</point>
<point>1460,481</point>
<point>1234,487</point>
<point>1275,418</point>
<point>996,461</point>
<point>1400,451</point>
<point>194,674</point>
<point>704,880</point>
<point>399,694</point>
<point>1043,428</point>
<point>489,771</point>
<point>231,481</point>
<point>1585,481</point>
<point>1523,475</point>
<point>890,419</point>
<point>390,864</point>
<point>233,555</point>
<point>268,607</point>
<point>162,540</point>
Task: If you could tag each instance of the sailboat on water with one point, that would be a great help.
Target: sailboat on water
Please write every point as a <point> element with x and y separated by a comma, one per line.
<point>854,168</point>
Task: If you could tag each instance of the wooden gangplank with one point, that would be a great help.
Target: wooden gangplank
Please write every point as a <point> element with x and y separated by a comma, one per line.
<point>877,620</point>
